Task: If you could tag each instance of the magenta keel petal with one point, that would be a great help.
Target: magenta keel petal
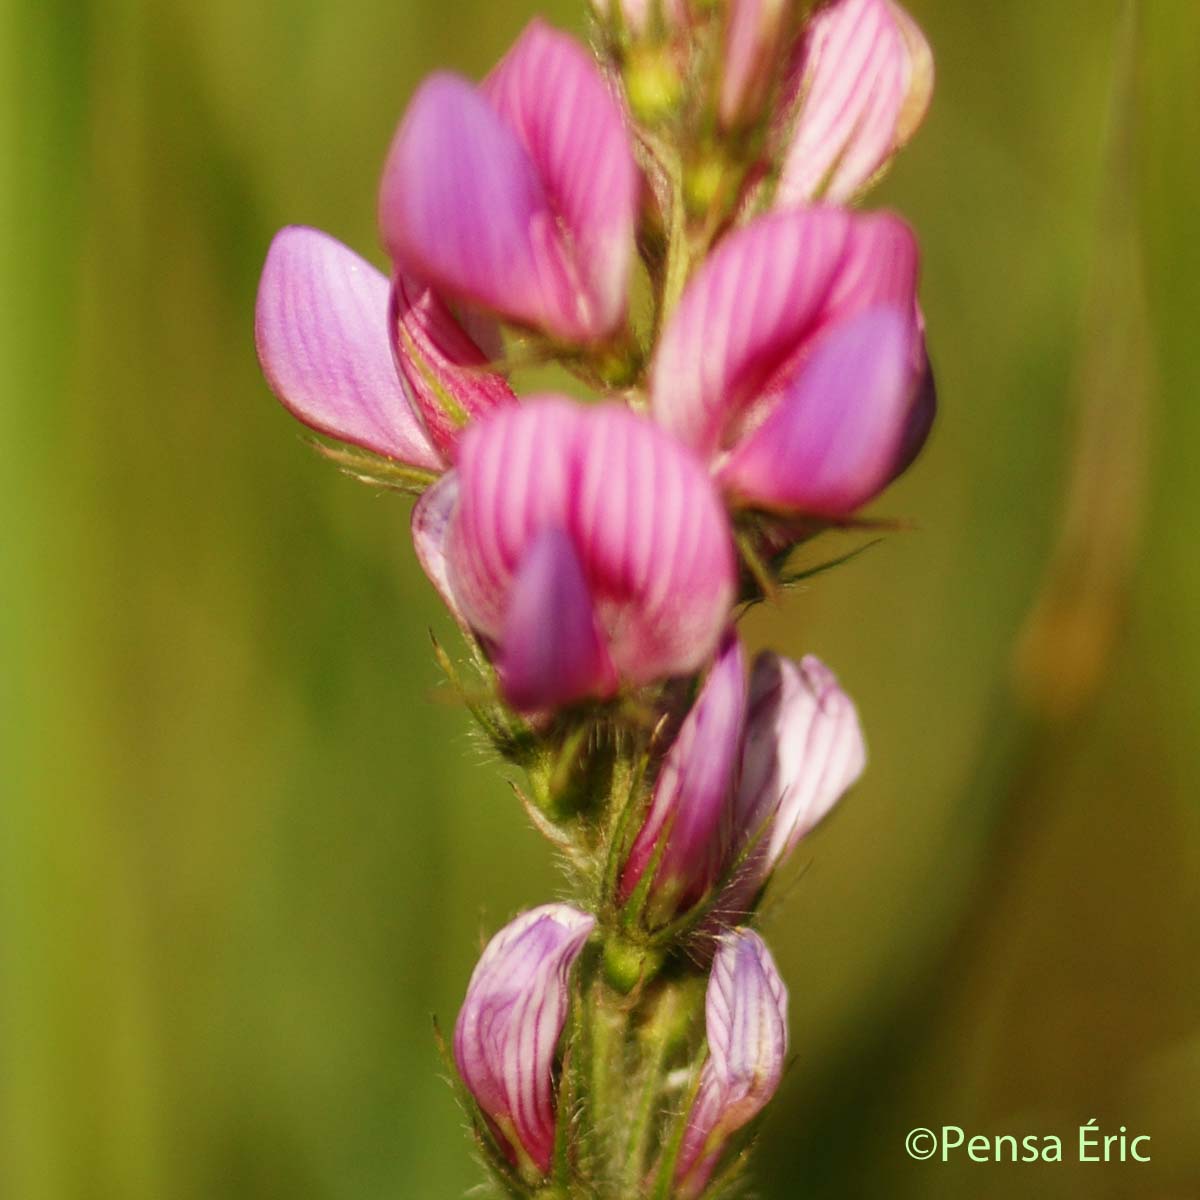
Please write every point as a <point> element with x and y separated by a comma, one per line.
<point>835,439</point>
<point>693,795</point>
<point>552,652</point>
<point>460,201</point>
<point>322,337</point>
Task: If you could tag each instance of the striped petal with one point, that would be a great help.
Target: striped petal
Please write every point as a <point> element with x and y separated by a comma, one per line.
<point>553,653</point>
<point>444,369</point>
<point>863,83</point>
<point>549,90</point>
<point>744,313</point>
<point>804,750</point>
<point>693,795</point>
<point>321,330</point>
<point>746,1024</point>
<point>510,1022</point>
<point>840,433</point>
<point>641,514</point>
<point>462,207</point>
<point>753,312</point>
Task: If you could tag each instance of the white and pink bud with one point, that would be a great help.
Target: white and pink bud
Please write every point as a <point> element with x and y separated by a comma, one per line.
<point>859,90</point>
<point>804,750</point>
<point>746,1026</point>
<point>507,1033</point>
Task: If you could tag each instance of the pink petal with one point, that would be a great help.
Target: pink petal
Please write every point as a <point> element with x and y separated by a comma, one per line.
<point>442,366</point>
<point>430,523</point>
<point>552,654</point>
<point>839,434</point>
<point>321,331</point>
<point>508,1029</point>
<point>462,207</point>
<point>864,82</point>
<point>550,91</point>
<point>804,750</point>
<point>745,312</point>
<point>641,513</point>
<point>693,795</point>
<point>746,1025</point>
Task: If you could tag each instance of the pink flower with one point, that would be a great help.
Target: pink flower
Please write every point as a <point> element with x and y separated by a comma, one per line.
<point>692,808</point>
<point>507,1032</point>
<point>795,362</point>
<point>746,1024</point>
<point>860,89</point>
<point>584,545</point>
<point>520,195</point>
<point>322,332</point>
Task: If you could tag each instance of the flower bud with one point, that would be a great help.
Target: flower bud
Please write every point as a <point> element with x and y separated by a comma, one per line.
<point>803,751</point>
<point>860,89</point>
<point>688,832</point>
<point>509,1025</point>
<point>746,1024</point>
<point>755,41</point>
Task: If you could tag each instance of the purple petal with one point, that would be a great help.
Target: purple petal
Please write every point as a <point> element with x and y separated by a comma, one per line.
<point>462,207</point>
<point>746,1024</point>
<point>836,438</point>
<point>641,513</point>
<point>550,91</point>
<point>510,1022</point>
<point>553,654</point>
<point>431,517</point>
<point>746,312</point>
<point>693,795</point>
<point>804,750</point>
<point>442,366</point>
<point>321,331</point>
<point>864,82</point>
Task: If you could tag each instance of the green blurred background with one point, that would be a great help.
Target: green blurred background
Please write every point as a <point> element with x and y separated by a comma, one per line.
<point>245,852</point>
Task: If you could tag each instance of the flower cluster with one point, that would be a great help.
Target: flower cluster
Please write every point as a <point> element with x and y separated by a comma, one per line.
<point>669,219</point>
